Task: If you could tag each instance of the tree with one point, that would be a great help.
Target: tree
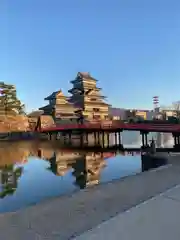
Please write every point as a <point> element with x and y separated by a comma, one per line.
<point>176,109</point>
<point>9,101</point>
<point>22,110</point>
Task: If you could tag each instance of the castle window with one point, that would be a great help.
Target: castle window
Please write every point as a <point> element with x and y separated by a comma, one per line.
<point>96,109</point>
<point>93,99</point>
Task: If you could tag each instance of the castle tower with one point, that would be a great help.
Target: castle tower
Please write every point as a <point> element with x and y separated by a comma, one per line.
<point>87,98</point>
<point>59,107</point>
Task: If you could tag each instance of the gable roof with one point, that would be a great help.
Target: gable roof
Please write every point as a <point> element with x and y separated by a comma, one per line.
<point>86,75</point>
<point>35,113</point>
<point>54,95</point>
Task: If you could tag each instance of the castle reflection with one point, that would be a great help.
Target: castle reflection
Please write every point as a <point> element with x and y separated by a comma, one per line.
<point>85,167</point>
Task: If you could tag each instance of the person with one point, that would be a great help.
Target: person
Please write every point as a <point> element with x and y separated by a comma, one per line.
<point>153,146</point>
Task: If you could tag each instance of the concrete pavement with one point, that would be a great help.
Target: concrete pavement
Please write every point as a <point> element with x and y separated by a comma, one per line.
<point>157,219</point>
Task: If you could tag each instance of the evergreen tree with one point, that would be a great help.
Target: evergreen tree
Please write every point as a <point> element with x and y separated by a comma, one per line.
<point>9,102</point>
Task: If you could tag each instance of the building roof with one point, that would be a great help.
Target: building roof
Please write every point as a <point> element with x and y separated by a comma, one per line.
<point>86,93</point>
<point>35,113</point>
<point>84,75</point>
<point>66,114</point>
<point>96,103</point>
<point>77,106</point>
<point>87,88</point>
<point>65,105</point>
<point>54,95</point>
<point>46,107</point>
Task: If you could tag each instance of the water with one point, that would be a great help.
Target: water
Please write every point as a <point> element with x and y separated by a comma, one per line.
<point>32,172</point>
<point>133,139</point>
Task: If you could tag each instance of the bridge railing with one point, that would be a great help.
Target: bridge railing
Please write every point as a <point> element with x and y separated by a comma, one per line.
<point>116,125</point>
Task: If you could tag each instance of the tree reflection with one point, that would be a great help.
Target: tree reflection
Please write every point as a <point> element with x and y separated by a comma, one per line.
<point>9,176</point>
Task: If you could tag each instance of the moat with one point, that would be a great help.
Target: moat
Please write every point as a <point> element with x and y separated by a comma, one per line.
<point>31,172</point>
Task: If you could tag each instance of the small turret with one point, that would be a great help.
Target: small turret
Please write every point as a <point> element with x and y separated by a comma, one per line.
<point>59,107</point>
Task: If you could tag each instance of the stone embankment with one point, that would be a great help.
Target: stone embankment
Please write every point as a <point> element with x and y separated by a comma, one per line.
<point>15,123</point>
<point>22,127</point>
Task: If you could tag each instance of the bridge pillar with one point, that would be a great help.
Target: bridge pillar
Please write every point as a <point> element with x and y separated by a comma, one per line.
<point>58,136</point>
<point>70,138</point>
<point>119,138</point>
<point>51,136</point>
<point>144,139</point>
<point>108,139</point>
<point>98,138</point>
<point>178,140</point>
<point>103,139</point>
<point>176,137</point>
<point>116,140</point>
<point>81,139</point>
<point>95,139</point>
<point>86,138</point>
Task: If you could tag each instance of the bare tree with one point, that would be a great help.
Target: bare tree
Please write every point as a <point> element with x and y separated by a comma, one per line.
<point>176,109</point>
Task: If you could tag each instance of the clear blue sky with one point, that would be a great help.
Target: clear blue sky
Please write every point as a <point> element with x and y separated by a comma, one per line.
<point>131,46</point>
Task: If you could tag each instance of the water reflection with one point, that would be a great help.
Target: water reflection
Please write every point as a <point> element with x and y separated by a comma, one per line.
<point>9,176</point>
<point>33,171</point>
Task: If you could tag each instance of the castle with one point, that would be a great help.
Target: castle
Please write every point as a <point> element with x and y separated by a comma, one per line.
<point>86,101</point>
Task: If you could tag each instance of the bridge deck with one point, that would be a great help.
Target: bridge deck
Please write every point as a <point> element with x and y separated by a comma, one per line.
<point>150,127</point>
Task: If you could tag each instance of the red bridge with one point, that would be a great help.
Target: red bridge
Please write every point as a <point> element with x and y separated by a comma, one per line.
<point>115,127</point>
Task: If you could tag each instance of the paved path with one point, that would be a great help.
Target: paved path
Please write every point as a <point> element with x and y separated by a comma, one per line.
<point>157,219</point>
<point>69,216</point>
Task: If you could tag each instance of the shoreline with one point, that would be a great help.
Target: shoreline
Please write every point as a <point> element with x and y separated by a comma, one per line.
<point>80,211</point>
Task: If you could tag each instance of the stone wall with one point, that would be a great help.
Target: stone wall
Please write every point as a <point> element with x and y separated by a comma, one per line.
<point>43,121</point>
<point>21,123</point>
<point>16,123</point>
<point>46,121</point>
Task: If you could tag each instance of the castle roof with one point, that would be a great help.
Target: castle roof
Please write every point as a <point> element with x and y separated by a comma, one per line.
<point>100,103</point>
<point>55,95</point>
<point>35,113</point>
<point>45,107</point>
<point>86,75</point>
